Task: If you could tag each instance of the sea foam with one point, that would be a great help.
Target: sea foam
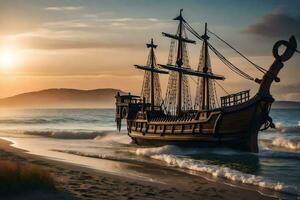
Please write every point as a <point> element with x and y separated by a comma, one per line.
<point>286,143</point>
<point>173,156</point>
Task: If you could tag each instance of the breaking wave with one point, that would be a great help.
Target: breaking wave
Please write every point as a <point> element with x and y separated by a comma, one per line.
<point>276,143</point>
<point>120,138</point>
<point>68,134</point>
<point>286,143</point>
<point>173,156</point>
<point>168,149</point>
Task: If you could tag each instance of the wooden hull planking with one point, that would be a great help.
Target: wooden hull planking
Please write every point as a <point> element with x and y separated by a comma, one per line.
<point>233,127</point>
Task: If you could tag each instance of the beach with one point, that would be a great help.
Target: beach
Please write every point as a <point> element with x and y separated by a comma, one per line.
<point>79,182</point>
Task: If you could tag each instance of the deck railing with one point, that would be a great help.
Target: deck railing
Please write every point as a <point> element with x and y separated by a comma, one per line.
<point>234,99</point>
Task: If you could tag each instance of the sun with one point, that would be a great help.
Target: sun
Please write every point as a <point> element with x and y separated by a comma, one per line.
<point>8,57</point>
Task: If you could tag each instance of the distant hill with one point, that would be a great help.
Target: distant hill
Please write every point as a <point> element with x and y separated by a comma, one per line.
<point>62,98</point>
<point>286,104</point>
<point>73,98</point>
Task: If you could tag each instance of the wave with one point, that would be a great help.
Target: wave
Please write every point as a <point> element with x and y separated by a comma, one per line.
<point>268,153</point>
<point>90,155</point>
<point>176,150</point>
<point>68,134</point>
<point>286,143</point>
<point>120,137</point>
<point>47,121</point>
<point>172,155</point>
<point>168,149</point>
<point>281,143</point>
<point>280,127</point>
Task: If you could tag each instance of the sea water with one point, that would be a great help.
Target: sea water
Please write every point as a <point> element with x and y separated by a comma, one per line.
<point>90,134</point>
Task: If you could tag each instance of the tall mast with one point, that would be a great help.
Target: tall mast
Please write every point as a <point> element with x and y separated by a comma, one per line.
<point>151,87</point>
<point>152,46</point>
<point>179,63</point>
<point>177,90</point>
<point>205,96</point>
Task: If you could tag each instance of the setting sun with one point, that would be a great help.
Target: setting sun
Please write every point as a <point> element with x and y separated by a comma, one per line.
<point>8,57</point>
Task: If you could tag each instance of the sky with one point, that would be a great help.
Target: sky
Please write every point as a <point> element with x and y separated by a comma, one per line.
<point>89,44</point>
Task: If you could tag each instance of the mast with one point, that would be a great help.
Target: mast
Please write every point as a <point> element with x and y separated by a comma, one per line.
<point>179,64</point>
<point>178,95</point>
<point>151,90</point>
<point>205,96</point>
<point>152,46</point>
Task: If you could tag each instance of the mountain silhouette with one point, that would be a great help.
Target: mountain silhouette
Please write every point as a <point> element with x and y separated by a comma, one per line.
<point>62,98</point>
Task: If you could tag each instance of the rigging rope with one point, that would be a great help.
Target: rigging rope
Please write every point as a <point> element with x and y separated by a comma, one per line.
<point>221,87</point>
<point>215,91</point>
<point>230,65</point>
<point>255,65</point>
<point>189,28</point>
<point>221,57</point>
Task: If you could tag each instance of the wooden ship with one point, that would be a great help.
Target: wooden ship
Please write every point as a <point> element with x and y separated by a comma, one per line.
<point>152,120</point>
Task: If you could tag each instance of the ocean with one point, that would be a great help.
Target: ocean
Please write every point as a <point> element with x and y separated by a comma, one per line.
<point>88,137</point>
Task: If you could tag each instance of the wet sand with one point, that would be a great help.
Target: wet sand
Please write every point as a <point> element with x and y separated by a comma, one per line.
<point>79,182</point>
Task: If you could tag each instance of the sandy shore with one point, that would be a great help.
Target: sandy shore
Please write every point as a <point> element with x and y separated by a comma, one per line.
<point>77,182</point>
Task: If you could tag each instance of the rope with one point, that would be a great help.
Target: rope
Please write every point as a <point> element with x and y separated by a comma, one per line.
<point>221,57</point>
<point>255,65</point>
<point>189,28</point>
<point>216,95</point>
<point>221,87</point>
<point>230,65</point>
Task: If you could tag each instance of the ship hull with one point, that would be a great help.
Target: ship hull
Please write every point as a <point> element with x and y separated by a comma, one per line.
<point>235,143</point>
<point>235,127</point>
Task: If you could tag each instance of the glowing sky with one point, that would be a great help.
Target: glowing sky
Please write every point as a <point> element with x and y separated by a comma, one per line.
<point>90,44</point>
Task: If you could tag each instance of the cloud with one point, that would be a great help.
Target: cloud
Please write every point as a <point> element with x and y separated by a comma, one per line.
<point>287,92</point>
<point>119,20</point>
<point>47,43</point>
<point>88,33</point>
<point>153,19</point>
<point>103,24</point>
<point>65,25</point>
<point>275,24</point>
<point>65,8</point>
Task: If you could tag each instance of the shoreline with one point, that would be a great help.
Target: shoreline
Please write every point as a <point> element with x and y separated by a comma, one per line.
<point>86,183</point>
